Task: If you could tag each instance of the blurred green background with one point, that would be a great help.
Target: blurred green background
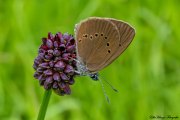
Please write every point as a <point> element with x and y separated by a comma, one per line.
<point>147,75</point>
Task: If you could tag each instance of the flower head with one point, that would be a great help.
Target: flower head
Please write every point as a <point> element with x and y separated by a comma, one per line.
<point>55,66</point>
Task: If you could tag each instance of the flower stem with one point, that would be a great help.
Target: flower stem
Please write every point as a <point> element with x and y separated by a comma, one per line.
<point>44,104</point>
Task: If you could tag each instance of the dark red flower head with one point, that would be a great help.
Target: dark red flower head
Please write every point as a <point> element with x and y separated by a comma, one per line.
<point>55,64</point>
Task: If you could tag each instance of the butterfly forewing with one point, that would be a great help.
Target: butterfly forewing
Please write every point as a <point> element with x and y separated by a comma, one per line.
<point>86,37</point>
<point>84,45</point>
<point>94,51</point>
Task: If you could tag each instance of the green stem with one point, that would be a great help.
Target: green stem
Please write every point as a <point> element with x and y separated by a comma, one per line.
<point>44,104</point>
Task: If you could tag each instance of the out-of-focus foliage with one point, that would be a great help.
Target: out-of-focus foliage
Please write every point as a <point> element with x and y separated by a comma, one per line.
<point>147,74</point>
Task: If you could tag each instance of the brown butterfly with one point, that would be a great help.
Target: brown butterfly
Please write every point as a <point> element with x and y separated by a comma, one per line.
<point>99,41</point>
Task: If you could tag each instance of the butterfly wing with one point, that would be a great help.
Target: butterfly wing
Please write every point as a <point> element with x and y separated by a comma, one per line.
<point>94,41</point>
<point>126,33</point>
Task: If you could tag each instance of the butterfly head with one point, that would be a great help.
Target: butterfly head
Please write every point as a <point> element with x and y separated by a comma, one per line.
<point>94,76</point>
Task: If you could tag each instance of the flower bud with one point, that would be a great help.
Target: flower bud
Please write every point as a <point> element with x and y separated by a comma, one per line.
<point>56,77</point>
<point>49,43</point>
<point>60,65</point>
<point>54,66</point>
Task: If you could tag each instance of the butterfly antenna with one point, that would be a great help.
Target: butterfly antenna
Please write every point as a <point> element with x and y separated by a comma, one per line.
<point>112,87</point>
<point>104,91</point>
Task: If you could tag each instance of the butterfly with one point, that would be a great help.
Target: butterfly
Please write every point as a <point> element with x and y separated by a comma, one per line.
<point>99,41</point>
